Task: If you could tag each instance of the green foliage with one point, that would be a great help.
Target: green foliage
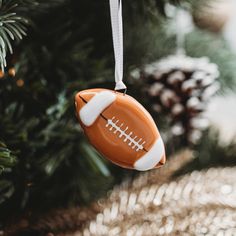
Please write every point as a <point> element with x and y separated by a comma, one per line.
<point>211,152</point>
<point>7,159</point>
<point>12,27</point>
<point>7,162</point>
<point>159,42</point>
<point>54,156</point>
<point>219,52</point>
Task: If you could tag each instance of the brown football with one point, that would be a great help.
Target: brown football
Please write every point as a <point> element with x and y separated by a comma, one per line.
<point>120,128</point>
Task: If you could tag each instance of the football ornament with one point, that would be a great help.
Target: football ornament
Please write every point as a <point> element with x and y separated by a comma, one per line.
<point>120,129</point>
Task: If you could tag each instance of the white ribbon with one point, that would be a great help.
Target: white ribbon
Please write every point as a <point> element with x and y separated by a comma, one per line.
<point>117,35</point>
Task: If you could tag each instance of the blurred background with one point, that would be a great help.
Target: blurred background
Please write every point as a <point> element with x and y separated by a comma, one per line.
<point>180,63</point>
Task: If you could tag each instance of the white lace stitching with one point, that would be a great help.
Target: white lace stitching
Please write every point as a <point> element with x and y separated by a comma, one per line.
<point>116,128</point>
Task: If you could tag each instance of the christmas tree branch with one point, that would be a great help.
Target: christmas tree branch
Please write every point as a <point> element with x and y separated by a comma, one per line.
<point>12,27</point>
<point>7,159</point>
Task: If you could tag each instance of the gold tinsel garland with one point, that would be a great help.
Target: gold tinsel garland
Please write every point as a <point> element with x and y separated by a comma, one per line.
<point>154,203</point>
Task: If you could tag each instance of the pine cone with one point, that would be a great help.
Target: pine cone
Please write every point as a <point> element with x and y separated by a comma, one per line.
<point>180,87</point>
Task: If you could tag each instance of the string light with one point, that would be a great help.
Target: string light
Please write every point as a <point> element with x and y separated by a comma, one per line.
<point>1,74</point>
<point>12,72</point>
<point>20,82</point>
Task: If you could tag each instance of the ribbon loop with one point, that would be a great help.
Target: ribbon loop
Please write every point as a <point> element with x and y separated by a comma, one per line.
<point>120,85</point>
<point>117,35</point>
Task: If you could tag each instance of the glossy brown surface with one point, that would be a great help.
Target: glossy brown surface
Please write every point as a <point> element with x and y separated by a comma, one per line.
<point>129,112</point>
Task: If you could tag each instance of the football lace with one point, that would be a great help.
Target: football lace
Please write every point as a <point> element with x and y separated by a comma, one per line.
<point>134,142</point>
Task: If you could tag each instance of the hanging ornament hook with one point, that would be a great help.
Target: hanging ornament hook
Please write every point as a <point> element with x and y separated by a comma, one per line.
<point>117,35</point>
